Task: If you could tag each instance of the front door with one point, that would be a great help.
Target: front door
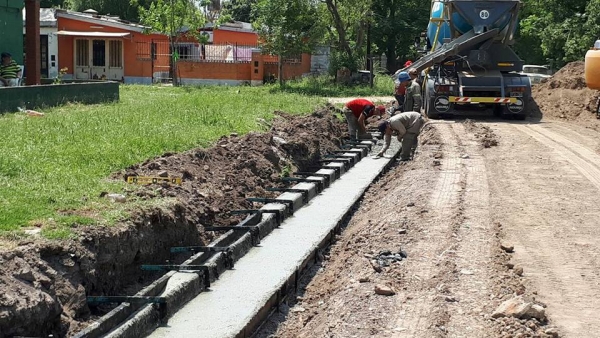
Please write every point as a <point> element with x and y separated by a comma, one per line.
<point>99,59</point>
<point>44,55</point>
<point>82,59</point>
<point>99,66</point>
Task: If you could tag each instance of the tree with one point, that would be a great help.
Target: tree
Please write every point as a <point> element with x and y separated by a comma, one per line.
<point>563,30</point>
<point>174,18</point>
<point>55,4</point>
<point>287,27</point>
<point>124,9</point>
<point>349,20</point>
<point>239,10</point>
<point>395,25</point>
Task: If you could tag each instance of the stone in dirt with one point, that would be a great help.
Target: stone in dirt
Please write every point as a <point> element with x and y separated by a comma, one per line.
<point>508,248</point>
<point>518,271</point>
<point>384,290</point>
<point>519,308</point>
<point>515,307</point>
<point>163,173</point>
<point>297,309</point>
<point>402,231</point>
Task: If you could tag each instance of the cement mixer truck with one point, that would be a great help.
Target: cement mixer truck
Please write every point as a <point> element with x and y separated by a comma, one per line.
<point>471,65</point>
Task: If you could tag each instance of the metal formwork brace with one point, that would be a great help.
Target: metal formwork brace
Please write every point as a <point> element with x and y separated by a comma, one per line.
<point>342,157</point>
<point>338,170</point>
<point>255,216</point>
<point>134,300</point>
<point>358,144</point>
<point>227,252</point>
<point>345,161</point>
<point>288,203</point>
<point>258,212</point>
<point>325,176</point>
<point>304,192</point>
<point>175,267</point>
<point>358,152</point>
<point>316,181</point>
<point>253,230</point>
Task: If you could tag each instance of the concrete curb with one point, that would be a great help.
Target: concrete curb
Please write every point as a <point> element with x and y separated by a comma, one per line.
<point>180,287</point>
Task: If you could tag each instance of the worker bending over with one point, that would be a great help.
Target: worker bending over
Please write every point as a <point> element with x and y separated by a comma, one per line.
<point>357,112</point>
<point>407,126</point>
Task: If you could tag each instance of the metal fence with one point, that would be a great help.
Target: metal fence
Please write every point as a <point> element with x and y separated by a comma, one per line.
<point>196,52</point>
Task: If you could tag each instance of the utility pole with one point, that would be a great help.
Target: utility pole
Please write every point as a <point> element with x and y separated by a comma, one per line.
<point>32,48</point>
<point>369,56</point>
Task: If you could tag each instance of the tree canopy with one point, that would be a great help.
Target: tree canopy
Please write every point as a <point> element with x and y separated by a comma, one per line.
<point>550,31</point>
<point>556,31</point>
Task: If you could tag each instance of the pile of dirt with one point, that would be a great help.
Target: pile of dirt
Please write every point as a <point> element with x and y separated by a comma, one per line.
<point>43,284</point>
<point>565,96</point>
<point>486,136</point>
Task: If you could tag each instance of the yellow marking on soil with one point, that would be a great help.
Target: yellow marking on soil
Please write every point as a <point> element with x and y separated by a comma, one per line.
<point>153,180</point>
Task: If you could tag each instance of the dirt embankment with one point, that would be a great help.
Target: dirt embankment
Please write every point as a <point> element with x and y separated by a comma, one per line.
<point>43,284</point>
<point>565,96</point>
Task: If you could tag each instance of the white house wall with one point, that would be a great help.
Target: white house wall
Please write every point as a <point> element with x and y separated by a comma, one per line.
<point>52,49</point>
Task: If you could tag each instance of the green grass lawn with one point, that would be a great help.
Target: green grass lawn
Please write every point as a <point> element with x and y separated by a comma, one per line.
<point>61,161</point>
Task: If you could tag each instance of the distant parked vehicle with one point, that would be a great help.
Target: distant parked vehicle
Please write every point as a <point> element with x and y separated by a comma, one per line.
<point>536,73</point>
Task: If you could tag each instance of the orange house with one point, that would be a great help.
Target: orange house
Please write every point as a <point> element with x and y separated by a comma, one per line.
<point>92,46</point>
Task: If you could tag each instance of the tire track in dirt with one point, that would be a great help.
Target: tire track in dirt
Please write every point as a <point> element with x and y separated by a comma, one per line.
<point>585,160</point>
<point>422,313</point>
<point>552,220</point>
<point>474,236</point>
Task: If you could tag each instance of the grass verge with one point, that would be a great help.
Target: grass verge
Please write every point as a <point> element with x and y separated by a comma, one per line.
<point>60,162</point>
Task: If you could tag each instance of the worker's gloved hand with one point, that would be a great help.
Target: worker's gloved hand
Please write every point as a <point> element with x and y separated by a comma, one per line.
<point>379,154</point>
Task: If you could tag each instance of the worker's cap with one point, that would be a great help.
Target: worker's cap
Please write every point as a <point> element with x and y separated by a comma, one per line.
<point>6,55</point>
<point>408,63</point>
<point>382,126</point>
<point>403,77</point>
<point>381,108</point>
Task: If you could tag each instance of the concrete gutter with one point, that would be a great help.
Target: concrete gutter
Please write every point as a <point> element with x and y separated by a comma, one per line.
<point>178,288</point>
<point>242,298</point>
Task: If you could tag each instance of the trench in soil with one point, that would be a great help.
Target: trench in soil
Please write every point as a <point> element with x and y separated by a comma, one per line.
<point>44,284</point>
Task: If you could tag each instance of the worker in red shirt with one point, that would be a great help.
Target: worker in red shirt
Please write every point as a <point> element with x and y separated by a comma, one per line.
<point>399,94</point>
<point>357,112</point>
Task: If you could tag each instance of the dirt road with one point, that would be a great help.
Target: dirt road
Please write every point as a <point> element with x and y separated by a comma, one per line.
<point>474,191</point>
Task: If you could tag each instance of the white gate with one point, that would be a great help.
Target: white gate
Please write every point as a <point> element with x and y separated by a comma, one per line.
<point>99,59</point>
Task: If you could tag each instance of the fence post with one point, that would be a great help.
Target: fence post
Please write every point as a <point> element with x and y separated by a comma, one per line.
<point>257,68</point>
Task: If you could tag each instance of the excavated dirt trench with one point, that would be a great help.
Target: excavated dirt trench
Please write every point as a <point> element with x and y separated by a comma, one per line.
<point>44,284</point>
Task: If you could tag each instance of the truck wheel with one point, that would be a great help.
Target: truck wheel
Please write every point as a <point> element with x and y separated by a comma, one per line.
<point>429,111</point>
<point>520,117</point>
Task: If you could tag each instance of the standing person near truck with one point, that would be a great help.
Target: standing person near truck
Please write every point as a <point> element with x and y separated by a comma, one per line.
<point>357,112</point>
<point>412,99</point>
<point>407,126</point>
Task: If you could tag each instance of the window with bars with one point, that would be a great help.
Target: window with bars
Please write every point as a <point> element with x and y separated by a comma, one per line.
<point>115,59</point>
<point>82,58</point>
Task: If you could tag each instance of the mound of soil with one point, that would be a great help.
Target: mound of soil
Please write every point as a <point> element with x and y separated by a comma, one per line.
<point>43,284</point>
<point>565,96</point>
